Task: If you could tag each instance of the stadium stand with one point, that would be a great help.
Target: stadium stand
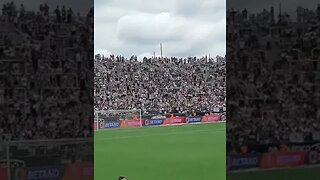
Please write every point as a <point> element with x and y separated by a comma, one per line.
<point>160,85</point>
<point>39,71</point>
<point>276,62</point>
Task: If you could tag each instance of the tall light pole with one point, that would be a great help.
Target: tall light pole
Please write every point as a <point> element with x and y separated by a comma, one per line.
<point>161,49</point>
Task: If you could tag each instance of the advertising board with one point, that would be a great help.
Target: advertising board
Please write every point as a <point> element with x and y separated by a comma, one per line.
<point>211,118</point>
<point>130,123</point>
<point>112,124</point>
<point>101,124</point>
<point>244,161</point>
<point>153,122</point>
<point>79,171</point>
<point>283,159</point>
<point>45,173</point>
<point>3,173</point>
<point>193,119</point>
<point>174,120</point>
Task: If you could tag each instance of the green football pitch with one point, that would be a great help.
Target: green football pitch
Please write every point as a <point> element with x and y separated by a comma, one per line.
<point>188,152</point>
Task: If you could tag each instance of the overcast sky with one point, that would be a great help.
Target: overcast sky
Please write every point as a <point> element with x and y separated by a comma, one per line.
<point>137,27</point>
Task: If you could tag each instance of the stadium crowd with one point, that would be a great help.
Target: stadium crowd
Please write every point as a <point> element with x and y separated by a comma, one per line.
<point>276,62</point>
<point>160,85</point>
<point>41,78</point>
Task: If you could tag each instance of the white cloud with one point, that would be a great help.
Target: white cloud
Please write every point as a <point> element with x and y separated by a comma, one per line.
<point>104,52</point>
<point>150,28</point>
<point>186,28</point>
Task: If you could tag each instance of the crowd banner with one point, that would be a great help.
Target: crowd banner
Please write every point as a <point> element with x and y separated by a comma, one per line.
<point>195,119</point>
<point>112,124</point>
<point>153,122</point>
<point>50,173</point>
<point>130,123</point>
<point>243,161</point>
<point>283,159</point>
<point>174,120</point>
<point>211,118</point>
<point>79,171</point>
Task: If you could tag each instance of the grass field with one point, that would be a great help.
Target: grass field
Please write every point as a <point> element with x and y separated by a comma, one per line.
<point>306,173</point>
<point>189,152</point>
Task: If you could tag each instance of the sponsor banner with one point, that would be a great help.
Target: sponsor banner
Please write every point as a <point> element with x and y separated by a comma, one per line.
<point>211,118</point>
<point>79,171</point>
<point>313,157</point>
<point>313,153</point>
<point>101,124</point>
<point>18,173</point>
<point>153,122</point>
<point>283,159</point>
<point>244,161</point>
<point>174,120</point>
<point>130,123</point>
<point>112,124</point>
<point>222,118</point>
<point>95,125</point>
<point>312,150</point>
<point>3,173</point>
<point>193,119</point>
<point>45,173</point>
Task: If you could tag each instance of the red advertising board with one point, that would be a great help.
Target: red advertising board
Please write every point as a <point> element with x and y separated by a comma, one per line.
<point>211,118</point>
<point>173,120</point>
<point>79,171</point>
<point>95,125</point>
<point>3,173</point>
<point>130,123</point>
<point>283,159</point>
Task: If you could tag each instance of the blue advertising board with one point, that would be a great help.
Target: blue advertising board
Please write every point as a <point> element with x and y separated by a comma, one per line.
<point>193,119</point>
<point>244,161</point>
<point>112,124</point>
<point>153,122</point>
<point>45,173</point>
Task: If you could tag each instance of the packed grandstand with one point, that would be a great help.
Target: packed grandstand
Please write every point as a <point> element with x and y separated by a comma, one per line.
<point>42,80</point>
<point>160,85</point>
<point>44,91</point>
<point>273,104</point>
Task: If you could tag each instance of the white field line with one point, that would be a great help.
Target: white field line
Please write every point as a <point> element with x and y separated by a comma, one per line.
<point>273,169</point>
<point>157,134</point>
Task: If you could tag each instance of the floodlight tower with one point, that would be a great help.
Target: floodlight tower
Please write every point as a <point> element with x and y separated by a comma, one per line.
<point>161,49</point>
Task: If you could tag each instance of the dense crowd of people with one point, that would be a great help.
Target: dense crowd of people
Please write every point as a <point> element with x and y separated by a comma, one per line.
<point>276,63</point>
<point>160,85</point>
<point>45,65</point>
